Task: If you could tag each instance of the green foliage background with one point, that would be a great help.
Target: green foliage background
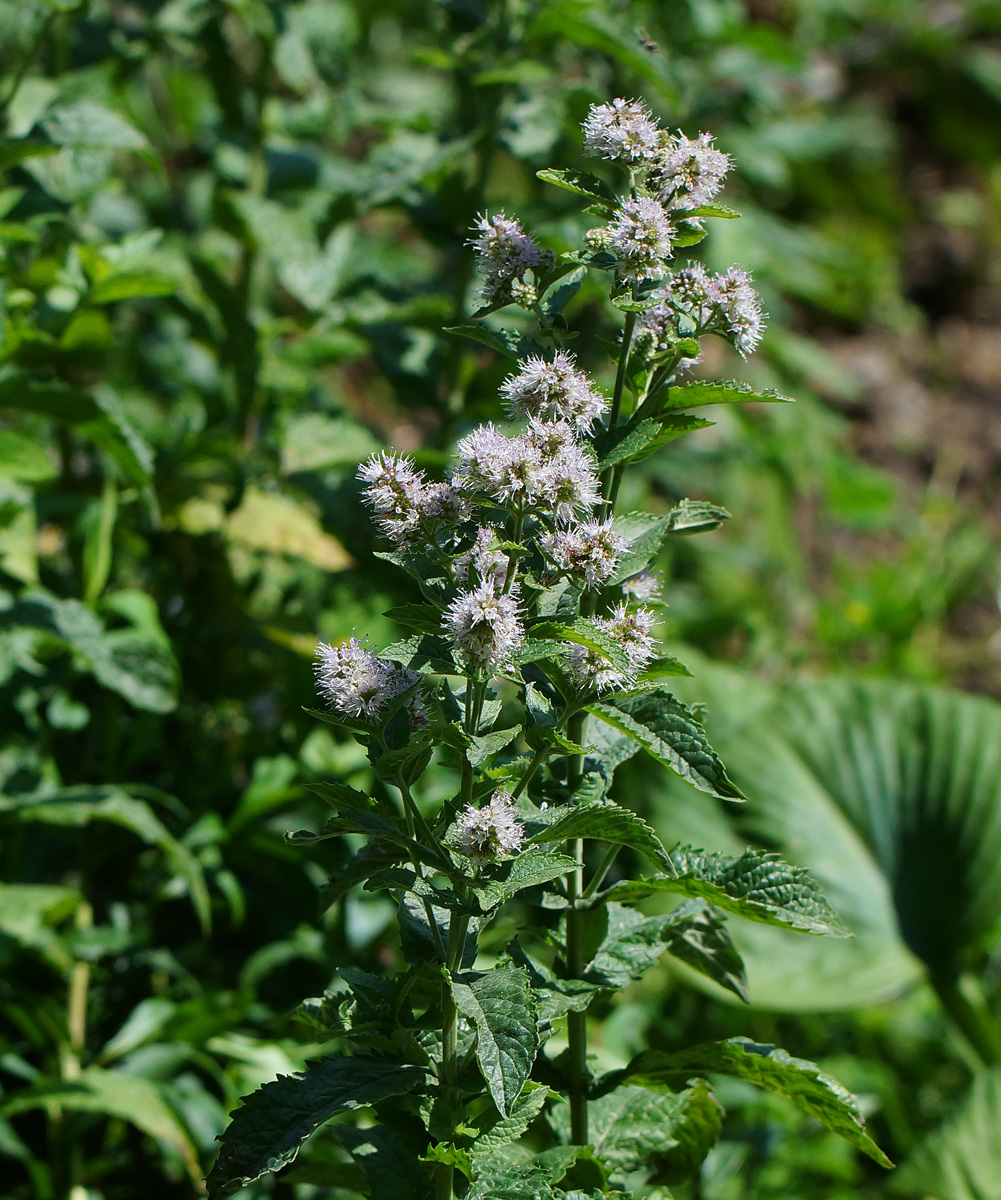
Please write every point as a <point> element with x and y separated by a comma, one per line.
<point>231,235</point>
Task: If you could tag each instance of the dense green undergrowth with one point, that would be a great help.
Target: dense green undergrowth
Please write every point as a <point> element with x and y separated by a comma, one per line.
<point>231,235</point>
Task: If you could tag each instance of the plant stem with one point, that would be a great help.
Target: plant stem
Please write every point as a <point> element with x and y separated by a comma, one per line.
<point>538,759</point>
<point>576,1021</point>
<point>450,1094</point>
<point>620,373</point>
<point>596,879</point>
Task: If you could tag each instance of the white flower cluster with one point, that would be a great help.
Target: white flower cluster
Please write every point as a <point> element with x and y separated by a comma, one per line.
<point>544,468</point>
<point>553,390</point>
<point>724,303</point>
<point>622,129</point>
<point>406,503</point>
<point>485,626</point>
<point>485,834</point>
<point>640,238</point>
<point>358,683</point>
<point>483,558</point>
<point>505,252</point>
<point>630,629</point>
<point>588,553</point>
<point>689,172</point>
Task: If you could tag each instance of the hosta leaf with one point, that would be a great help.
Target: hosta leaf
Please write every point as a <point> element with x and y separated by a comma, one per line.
<point>669,731</point>
<point>703,391</point>
<point>502,1006</point>
<point>961,1159</point>
<point>758,885</point>
<point>769,1067</point>
<point>608,823</point>
<point>267,1131</point>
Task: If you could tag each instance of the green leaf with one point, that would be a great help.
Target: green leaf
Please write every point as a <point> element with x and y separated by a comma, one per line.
<point>638,439</point>
<point>423,617</point>
<point>768,1067</point>
<point>274,1121</point>
<point>696,1126</point>
<point>713,210</point>
<point>75,807</point>
<point>581,183</point>
<point>89,123</point>
<point>508,342</point>
<point>425,653</point>
<point>131,285</point>
<point>559,294</point>
<point>29,910</point>
<point>125,1097</point>
<point>503,1007</point>
<point>583,632</point>
<point>669,731</point>
<point>961,1159</point>
<point>697,935</point>
<point>630,946</point>
<point>23,458</point>
<point>531,868</point>
<point>498,1179</point>
<point>700,392</point>
<point>608,823</point>
<point>49,399</point>
<point>485,745</point>
<point>644,535</point>
<point>494,1131</point>
<point>631,1127</point>
<point>695,516</point>
<point>757,885</point>
<point>556,996</point>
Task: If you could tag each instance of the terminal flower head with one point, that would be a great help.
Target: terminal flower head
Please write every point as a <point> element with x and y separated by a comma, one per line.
<point>622,129</point>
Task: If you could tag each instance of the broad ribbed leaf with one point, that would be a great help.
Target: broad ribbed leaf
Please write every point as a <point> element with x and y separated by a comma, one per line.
<point>758,885</point>
<point>529,869</point>
<point>583,633</point>
<point>961,1160</point>
<point>704,391</point>
<point>503,1007</point>
<point>803,1082</point>
<point>498,1179</point>
<point>495,1131</point>
<point>668,730</point>
<point>607,823</point>
<point>274,1121</point>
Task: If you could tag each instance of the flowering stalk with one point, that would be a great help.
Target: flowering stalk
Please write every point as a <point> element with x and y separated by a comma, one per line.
<point>536,596</point>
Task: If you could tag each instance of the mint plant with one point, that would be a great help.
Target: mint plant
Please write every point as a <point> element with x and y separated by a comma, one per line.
<point>534,671</point>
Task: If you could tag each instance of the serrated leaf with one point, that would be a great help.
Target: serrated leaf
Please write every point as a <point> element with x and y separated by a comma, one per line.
<point>583,632</point>
<point>630,1127</point>
<point>581,183</point>
<point>631,945</point>
<point>267,1132</point>
<point>531,868</point>
<point>483,746</point>
<point>505,341</point>
<point>498,1179</point>
<point>341,797</point>
<point>608,823</point>
<point>425,653</point>
<point>644,535</point>
<point>494,1131</point>
<point>695,516</point>
<point>700,392</point>
<point>767,1066</point>
<point>713,210</point>
<point>556,996</point>
<point>757,885</point>
<point>503,1007</point>
<point>665,728</point>
<point>638,439</point>
<point>696,934</point>
<point>423,617</point>
<point>559,294</point>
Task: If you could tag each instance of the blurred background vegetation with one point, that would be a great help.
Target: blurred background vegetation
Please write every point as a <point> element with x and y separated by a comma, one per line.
<point>231,234</point>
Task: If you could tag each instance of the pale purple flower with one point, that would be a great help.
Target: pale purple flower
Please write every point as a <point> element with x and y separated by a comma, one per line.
<point>740,308</point>
<point>554,390</point>
<point>622,129</point>
<point>358,683</point>
<point>504,253</point>
<point>483,558</point>
<point>640,238</point>
<point>689,172</point>
<point>485,626</point>
<point>491,832</point>
<point>644,586</point>
<point>588,553</point>
<point>630,630</point>
<point>568,483</point>
<point>404,501</point>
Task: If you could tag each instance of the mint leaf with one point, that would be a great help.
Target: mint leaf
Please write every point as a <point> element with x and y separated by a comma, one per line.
<point>502,1006</point>
<point>608,823</point>
<point>267,1131</point>
<point>668,730</point>
<point>704,391</point>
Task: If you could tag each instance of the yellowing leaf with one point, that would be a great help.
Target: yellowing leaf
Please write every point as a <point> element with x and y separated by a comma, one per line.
<point>276,524</point>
